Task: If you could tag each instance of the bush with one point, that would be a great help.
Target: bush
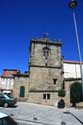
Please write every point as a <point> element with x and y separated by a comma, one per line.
<point>61,93</point>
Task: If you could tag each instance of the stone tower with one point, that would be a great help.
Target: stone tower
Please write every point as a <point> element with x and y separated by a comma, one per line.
<point>46,71</point>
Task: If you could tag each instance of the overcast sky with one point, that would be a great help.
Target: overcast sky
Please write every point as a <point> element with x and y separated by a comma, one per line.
<point>21,20</point>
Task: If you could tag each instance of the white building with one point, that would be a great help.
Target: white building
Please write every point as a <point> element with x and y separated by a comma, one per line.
<point>71,69</point>
<point>6,83</point>
<point>7,79</point>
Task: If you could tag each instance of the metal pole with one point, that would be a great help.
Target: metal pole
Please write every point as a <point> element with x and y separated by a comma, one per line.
<point>79,52</point>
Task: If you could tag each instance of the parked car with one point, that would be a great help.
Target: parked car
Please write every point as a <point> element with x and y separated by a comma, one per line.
<point>6,120</point>
<point>6,101</point>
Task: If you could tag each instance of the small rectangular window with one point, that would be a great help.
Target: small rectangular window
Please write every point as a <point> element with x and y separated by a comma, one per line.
<point>54,80</point>
<point>48,96</point>
<point>44,96</point>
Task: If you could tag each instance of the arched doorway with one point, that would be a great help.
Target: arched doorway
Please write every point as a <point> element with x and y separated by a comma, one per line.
<point>22,91</point>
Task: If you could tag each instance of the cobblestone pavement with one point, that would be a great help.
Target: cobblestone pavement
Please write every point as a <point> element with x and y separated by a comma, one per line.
<point>33,114</point>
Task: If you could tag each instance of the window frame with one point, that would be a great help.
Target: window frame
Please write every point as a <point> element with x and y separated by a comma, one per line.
<point>46,96</point>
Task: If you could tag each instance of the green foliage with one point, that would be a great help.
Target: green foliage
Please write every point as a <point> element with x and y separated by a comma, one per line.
<point>61,93</point>
<point>76,92</point>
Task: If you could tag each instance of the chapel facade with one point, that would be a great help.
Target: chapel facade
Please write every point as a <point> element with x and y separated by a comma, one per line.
<point>45,76</point>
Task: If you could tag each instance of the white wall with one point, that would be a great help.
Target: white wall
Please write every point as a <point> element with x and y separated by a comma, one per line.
<point>6,83</point>
<point>71,70</point>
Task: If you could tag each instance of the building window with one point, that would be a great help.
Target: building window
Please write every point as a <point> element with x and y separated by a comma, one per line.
<point>22,91</point>
<point>46,96</point>
<point>46,51</point>
<point>54,81</point>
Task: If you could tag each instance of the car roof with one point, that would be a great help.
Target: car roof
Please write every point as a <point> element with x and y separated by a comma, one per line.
<point>2,115</point>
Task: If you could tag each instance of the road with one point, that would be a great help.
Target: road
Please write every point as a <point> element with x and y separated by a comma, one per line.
<point>34,114</point>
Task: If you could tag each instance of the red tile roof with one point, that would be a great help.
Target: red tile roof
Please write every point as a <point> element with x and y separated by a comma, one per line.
<point>10,72</point>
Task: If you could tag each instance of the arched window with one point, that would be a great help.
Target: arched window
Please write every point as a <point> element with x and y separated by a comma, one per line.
<point>22,91</point>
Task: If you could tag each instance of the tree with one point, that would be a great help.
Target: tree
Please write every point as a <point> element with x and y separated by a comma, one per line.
<point>75,93</point>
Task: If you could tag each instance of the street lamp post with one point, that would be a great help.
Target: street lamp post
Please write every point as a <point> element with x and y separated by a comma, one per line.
<point>72,4</point>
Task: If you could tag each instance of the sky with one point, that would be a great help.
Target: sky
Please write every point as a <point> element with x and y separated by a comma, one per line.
<point>22,20</point>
